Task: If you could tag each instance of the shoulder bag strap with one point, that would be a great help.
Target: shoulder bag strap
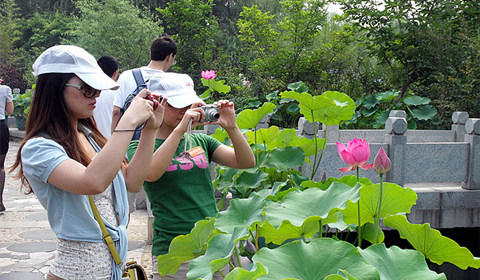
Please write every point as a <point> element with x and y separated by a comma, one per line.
<point>106,235</point>
<point>137,75</point>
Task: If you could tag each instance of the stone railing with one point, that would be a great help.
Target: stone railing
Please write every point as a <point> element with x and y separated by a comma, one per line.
<point>442,166</point>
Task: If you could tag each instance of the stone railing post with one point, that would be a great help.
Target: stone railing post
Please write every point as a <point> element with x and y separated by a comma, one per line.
<point>397,143</point>
<point>459,119</point>
<point>305,128</point>
<point>472,127</point>
<point>398,114</point>
<point>264,122</point>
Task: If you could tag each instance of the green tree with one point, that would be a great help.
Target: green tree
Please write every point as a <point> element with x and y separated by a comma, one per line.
<point>40,32</point>
<point>422,43</point>
<point>195,27</point>
<point>283,51</point>
<point>116,28</point>
<point>9,32</point>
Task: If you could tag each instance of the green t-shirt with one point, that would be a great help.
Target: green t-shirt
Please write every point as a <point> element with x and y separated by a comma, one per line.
<point>184,194</point>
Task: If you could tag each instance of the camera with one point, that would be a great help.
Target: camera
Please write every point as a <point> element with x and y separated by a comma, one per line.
<point>130,97</point>
<point>212,113</point>
<point>155,102</point>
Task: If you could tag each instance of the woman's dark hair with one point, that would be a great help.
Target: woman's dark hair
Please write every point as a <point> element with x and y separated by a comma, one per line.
<point>49,116</point>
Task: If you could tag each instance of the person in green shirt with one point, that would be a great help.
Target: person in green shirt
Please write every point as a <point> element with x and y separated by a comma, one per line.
<point>179,185</point>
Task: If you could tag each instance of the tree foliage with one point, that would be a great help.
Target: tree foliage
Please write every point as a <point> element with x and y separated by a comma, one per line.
<point>193,26</point>
<point>9,23</point>
<point>115,28</point>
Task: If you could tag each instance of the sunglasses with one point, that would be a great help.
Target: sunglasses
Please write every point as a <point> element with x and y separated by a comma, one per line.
<point>88,91</point>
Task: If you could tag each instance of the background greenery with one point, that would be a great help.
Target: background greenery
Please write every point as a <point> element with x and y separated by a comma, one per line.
<point>429,48</point>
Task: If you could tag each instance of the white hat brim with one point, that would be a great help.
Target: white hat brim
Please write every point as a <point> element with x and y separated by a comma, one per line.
<point>99,81</point>
<point>184,100</point>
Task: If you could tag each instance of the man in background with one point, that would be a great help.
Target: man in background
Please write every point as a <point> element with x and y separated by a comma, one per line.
<point>104,107</point>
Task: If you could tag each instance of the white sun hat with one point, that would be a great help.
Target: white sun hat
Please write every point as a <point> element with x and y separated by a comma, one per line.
<point>178,88</point>
<point>73,59</point>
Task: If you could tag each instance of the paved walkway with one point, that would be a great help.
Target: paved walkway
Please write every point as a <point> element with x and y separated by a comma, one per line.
<point>28,245</point>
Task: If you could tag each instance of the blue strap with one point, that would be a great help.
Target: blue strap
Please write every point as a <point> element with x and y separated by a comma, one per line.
<point>137,75</point>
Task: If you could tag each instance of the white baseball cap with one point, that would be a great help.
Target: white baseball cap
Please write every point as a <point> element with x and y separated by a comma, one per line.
<point>72,59</point>
<point>178,88</point>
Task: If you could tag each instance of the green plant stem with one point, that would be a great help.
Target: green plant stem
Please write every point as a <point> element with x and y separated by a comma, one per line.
<point>320,231</point>
<point>323,149</point>
<point>377,217</point>
<point>359,227</point>
<point>316,147</point>
<point>256,238</point>
<point>238,256</point>
<point>256,148</point>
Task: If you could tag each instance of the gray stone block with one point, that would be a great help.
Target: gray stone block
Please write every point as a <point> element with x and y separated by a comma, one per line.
<point>398,114</point>
<point>472,126</point>
<point>459,117</point>
<point>306,127</point>
<point>396,126</point>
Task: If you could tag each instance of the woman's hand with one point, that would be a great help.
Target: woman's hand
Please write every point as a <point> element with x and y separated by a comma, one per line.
<point>156,120</point>
<point>227,114</point>
<point>139,111</point>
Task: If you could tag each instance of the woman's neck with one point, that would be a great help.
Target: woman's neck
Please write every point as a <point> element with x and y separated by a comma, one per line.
<point>164,131</point>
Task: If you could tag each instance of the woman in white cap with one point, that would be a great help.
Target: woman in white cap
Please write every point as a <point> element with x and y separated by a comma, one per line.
<point>179,185</point>
<point>64,158</point>
<point>6,108</point>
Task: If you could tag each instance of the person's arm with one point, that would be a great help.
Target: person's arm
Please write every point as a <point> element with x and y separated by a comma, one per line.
<point>241,155</point>
<point>9,107</point>
<point>116,113</point>
<point>140,164</point>
<point>164,154</point>
<point>72,176</point>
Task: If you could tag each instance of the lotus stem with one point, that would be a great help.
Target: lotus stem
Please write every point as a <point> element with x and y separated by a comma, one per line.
<point>377,217</point>
<point>359,227</point>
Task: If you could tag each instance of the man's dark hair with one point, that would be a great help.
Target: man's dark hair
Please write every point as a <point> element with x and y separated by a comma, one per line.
<point>162,47</point>
<point>109,64</point>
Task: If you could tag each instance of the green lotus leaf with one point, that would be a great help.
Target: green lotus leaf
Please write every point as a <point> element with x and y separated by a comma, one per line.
<point>218,86</point>
<point>286,138</point>
<point>342,109</point>
<point>315,260</point>
<point>250,118</point>
<point>298,87</point>
<point>350,180</point>
<point>292,108</point>
<point>308,145</point>
<point>395,263</point>
<point>308,103</point>
<point>368,112</point>
<point>243,212</point>
<point>271,191</point>
<point>286,158</point>
<point>220,134</point>
<point>264,136</point>
<point>424,112</point>
<point>250,179</point>
<point>186,247</point>
<point>241,274</point>
<point>220,249</point>
<point>387,95</point>
<point>432,244</point>
<point>396,199</point>
<point>341,275</point>
<point>225,178</point>
<point>370,101</point>
<point>416,100</point>
<point>287,231</point>
<point>341,225</point>
<point>368,233</point>
<point>311,205</point>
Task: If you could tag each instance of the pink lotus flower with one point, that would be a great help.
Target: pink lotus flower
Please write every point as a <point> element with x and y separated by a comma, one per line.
<point>208,75</point>
<point>355,154</point>
<point>381,164</point>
